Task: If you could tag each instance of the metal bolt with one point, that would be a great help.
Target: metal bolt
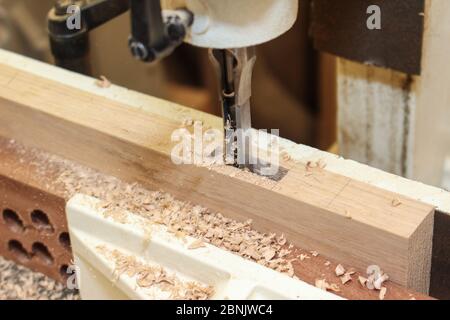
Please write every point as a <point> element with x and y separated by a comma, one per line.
<point>138,50</point>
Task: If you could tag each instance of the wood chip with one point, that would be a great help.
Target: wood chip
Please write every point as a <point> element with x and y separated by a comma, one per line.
<point>197,244</point>
<point>269,254</point>
<point>383,292</point>
<point>334,287</point>
<point>340,270</point>
<point>103,82</point>
<point>396,203</point>
<point>346,278</point>
<point>252,253</point>
<point>282,240</point>
<point>348,215</point>
<point>362,281</point>
<point>302,257</point>
<point>317,165</point>
<point>286,156</point>
<point>284,253</point>
<point>314,253</point>
<point>324,285</point>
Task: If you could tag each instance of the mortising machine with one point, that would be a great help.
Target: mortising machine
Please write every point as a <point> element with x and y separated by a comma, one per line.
<point>230,29</point>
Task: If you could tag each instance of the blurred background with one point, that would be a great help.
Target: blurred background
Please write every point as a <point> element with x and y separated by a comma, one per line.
<point>293,85</point>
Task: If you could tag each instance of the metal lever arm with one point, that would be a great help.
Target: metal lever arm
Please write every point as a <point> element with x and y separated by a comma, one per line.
<point>70,46</point>
<point>156,33</point>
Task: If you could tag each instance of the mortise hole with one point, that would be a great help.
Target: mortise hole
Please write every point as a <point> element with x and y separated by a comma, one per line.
<point>18,251</point>
<point>13,221</point>
<point>41,222</point>
<point>64,240</point>
<point>40,251</point>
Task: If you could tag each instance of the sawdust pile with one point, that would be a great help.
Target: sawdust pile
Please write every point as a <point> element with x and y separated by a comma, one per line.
<point>20,283</point>
<point>156,277</point>
<point>181,218</point>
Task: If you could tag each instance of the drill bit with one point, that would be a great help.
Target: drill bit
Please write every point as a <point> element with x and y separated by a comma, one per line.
<point>235,69</point>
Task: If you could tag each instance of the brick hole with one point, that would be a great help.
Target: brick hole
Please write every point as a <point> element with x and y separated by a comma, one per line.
<point>18,251</point>
<point>13,221</point>
<point>64,240</point>
<point>63,271</point>
<point>42,222</point>
<point>40,251</point>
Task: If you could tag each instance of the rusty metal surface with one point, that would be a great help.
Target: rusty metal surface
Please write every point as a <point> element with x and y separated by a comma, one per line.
<point>340,28</point>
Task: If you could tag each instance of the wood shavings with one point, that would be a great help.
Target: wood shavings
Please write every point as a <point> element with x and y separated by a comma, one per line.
<point>252,253</point>
<point>346,278</point>
<point>282,240</point>
<point>322,284</point>
<point>19,283</point>
<point>302,257</point>
<point>285,156</point>
<point>284,253</point>
<point>316,165</point>
<point>155,276</point>
<point>289,270</point>
<point>314,254</point>
<point>103,83</point>
<point>119,216</point>
<point>196,245</point>
<point>269,254</point>
<point>157,207</point>
<point>340,270</point>
<point>383,292</point>
<point>325,286</point>
<point>362,281</point>
<point>396,203</point>
<point>334,287</point>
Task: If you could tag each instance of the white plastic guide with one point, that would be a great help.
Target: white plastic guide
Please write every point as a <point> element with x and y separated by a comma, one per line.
<point>231,277</point>
<point>222,24</point>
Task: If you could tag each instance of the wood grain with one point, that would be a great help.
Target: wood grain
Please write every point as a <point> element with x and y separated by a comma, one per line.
<point>108,132</point>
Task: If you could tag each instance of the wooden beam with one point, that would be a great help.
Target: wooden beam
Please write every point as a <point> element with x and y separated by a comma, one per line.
<point>127,135</point>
